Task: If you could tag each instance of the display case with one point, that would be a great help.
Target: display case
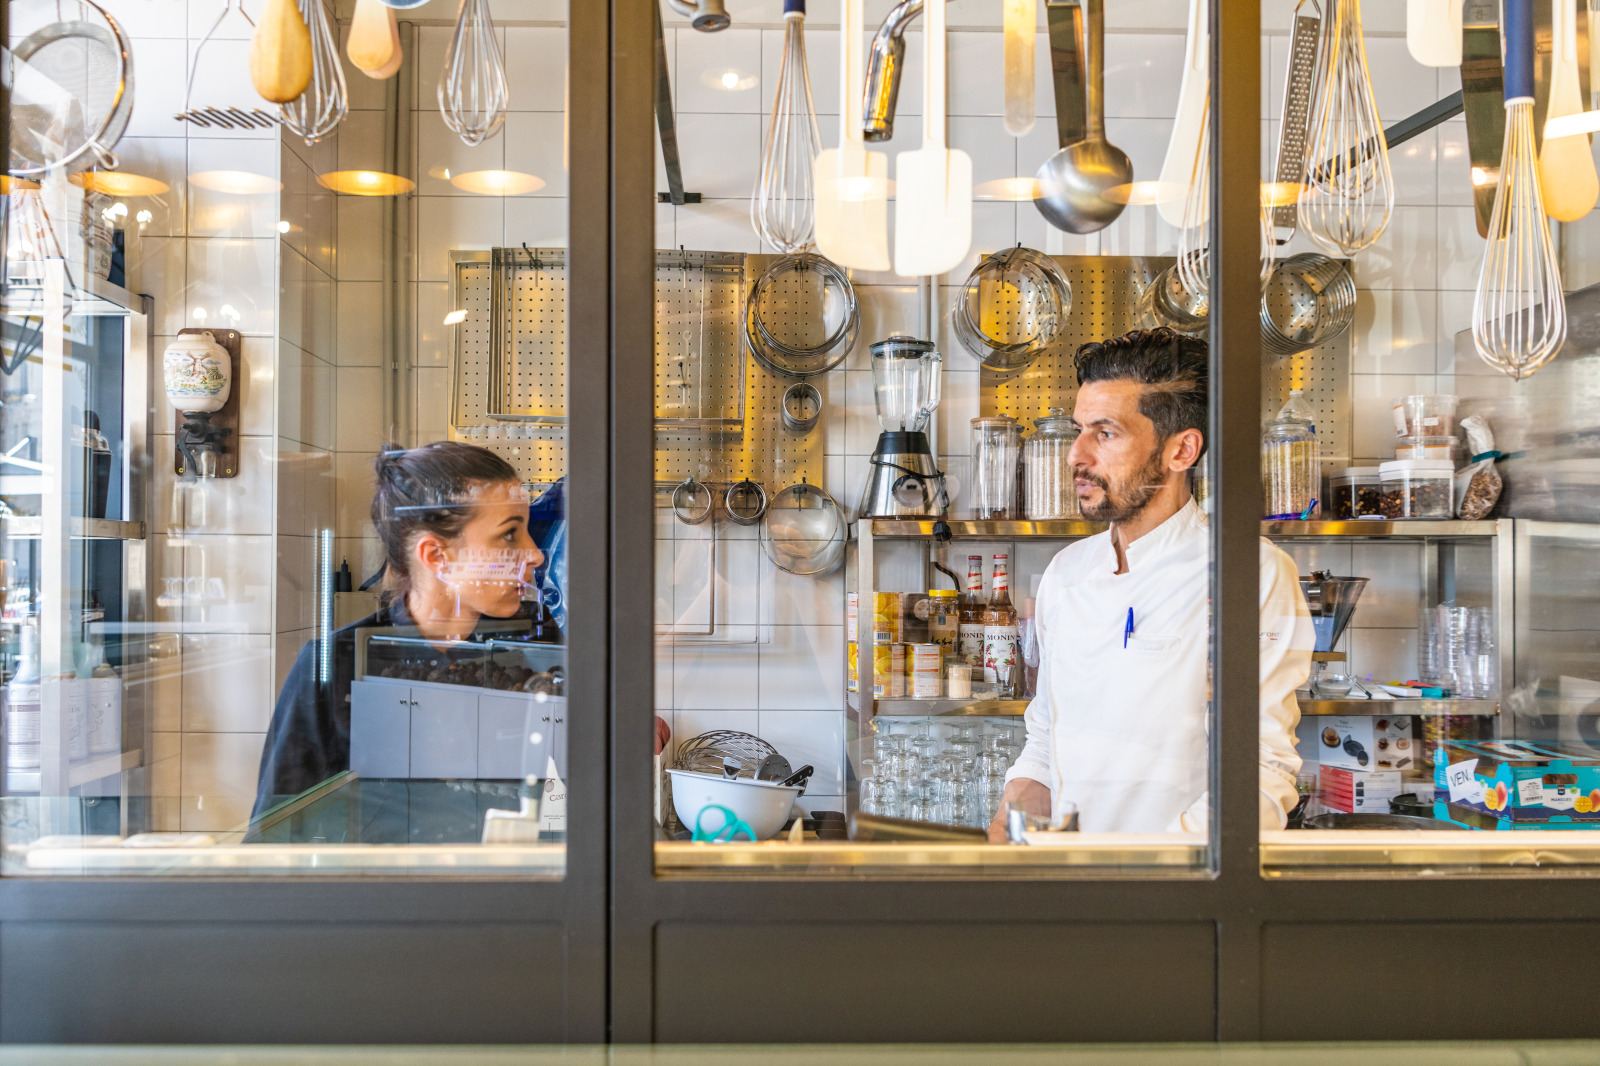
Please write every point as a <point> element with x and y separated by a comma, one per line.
<point>74,471</point>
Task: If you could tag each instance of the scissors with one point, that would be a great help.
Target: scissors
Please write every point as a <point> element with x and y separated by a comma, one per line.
<point>732,825</point>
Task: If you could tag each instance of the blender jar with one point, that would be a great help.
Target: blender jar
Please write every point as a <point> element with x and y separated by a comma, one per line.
<point>995,443</point>
<point>905,381</point>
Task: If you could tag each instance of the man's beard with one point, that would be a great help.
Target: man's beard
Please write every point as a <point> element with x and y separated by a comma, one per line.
<point>1129,496</point>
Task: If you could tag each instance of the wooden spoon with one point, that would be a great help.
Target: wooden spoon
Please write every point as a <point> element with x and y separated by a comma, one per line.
<point>374,43</point>
<point>280,53</point>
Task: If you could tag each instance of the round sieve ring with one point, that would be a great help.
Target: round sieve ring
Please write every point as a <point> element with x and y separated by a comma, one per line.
<point>745,501</point>
<point>793,406</point>
<point>692,502</point>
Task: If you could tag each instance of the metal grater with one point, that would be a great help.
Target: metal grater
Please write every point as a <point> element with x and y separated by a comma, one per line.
<point>1290,168</point>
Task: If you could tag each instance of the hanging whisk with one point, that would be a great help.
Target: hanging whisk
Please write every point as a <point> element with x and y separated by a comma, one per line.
<point>1194,253</point>
<point>1519,315</point>
<point>320,109</point>
<point>783,208</point>
<point>1349,189</point>
<point>473,94</point>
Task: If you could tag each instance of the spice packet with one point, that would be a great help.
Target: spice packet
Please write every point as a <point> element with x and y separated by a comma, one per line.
<point>1478,483</point>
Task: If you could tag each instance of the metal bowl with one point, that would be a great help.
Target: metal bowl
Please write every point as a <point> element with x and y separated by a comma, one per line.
<point>1012,308</point>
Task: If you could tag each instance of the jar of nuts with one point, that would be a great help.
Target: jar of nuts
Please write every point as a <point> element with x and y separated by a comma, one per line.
<point>1418,488</point>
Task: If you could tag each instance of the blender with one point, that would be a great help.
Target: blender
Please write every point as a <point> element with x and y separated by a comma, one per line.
<point>1332,601</point>
<point>903,481</point>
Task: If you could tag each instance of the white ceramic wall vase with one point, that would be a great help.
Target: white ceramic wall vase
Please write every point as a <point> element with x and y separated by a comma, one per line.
<point>198,373</point>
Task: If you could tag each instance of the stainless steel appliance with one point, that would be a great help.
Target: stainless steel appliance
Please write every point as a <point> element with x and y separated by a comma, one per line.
<point>903,481</point>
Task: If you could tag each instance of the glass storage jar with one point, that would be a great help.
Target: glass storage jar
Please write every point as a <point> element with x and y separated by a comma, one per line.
<point>1357,492</point>
<point>1418,488</point>
<point>1047,489</point>
<point>1425,415</point>
<point>1289,469</point>
<point>996,441</point>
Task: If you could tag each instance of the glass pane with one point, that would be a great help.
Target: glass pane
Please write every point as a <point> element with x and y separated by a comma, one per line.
<point>284,539</point>
<point>923,624</point>
<point>1451,578</point>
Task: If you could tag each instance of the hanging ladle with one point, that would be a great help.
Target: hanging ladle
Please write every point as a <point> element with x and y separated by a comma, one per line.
<point>1070,188</point>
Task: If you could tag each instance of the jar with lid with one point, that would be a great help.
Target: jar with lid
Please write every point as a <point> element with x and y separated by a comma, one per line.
<point>1356,492</point>
<point>996,441</point>
<point>1289,469</point>
<point>1418,488</point>
<point>1047,489</point>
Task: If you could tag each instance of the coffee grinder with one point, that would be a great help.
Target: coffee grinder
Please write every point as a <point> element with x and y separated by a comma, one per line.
<point>1332,601</point>
<point>903,481</point>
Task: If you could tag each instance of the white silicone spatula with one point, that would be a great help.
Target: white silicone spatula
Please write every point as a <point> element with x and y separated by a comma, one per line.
<point>1567,175</point>
<point>852,184</point>
<point>1433,32</point>
<point>1185,142</point>
<point>933,185</point>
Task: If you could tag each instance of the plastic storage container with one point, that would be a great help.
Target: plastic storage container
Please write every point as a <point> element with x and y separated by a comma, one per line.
<point>1428,448</point>
<point>1289,478</point>
<point>1425,415</point>
<point>1047,488</point>
<point>1356,492</point>
<point>1418,488</point>
<point>996,442</point>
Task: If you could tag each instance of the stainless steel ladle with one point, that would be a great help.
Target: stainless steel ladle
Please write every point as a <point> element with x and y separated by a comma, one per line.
<point>1070,188</point>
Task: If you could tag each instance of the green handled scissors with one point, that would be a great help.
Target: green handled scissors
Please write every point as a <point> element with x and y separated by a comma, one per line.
<point>732,825</point>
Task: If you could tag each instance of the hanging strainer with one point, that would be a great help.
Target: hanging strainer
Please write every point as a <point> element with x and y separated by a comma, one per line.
<point>803,531</point>
<point>71,93</point>
<point>1309,300</point>
<point>802,316</point>
<point>1012,308</point>
<point>1165,302</point>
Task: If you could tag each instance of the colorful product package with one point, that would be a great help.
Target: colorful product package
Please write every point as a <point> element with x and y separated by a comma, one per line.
<point>1521,784</point>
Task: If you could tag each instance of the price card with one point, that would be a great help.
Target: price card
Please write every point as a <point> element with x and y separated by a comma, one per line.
<point>1531,790</point>
<point>1464,784</point>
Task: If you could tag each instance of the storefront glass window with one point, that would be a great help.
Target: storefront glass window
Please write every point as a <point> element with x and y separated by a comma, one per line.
<point>284,444</point>
<point>883,612</point>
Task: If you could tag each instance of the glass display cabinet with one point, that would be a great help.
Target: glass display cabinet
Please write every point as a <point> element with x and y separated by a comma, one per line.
<point>74,469</point>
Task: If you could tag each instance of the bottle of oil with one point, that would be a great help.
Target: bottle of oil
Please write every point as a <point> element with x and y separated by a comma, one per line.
<point>1002,665</point>
<point>970,633</point>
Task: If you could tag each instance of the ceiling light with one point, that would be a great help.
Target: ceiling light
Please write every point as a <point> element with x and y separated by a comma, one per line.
<point>440,172</point>
<point>283,225</point>
<point>1572,125</point>
<point>366,183</point>
<point>1015,190</point>
<point>454,317</point>
<point>1482,176</point>
<point>729,81</point>
<point>118,183</point>
<point>497,182</point>
<point>237,182</point>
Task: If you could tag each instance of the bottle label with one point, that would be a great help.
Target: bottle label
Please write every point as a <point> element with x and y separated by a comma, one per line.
<point>1000,654</point>
<point>972,643</point>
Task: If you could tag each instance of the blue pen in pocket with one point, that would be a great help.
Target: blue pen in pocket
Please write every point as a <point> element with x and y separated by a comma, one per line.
<point>1127,630</point>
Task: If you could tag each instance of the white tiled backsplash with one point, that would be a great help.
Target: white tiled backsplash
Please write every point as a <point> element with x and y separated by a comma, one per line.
<point>786,683</point>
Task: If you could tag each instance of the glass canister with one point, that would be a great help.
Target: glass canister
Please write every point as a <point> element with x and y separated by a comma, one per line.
<point>1047,490</point>
<point>996,441</point>
<point>1289,469</point>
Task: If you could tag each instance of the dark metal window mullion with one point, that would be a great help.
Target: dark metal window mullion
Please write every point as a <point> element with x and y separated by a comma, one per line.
<point>1235,519</point>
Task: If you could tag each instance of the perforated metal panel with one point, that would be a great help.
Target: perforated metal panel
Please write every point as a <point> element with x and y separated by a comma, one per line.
<point>718,411</point>
<point>1105,294</point>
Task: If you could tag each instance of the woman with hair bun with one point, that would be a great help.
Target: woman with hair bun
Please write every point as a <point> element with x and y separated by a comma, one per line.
<point>453,520</point>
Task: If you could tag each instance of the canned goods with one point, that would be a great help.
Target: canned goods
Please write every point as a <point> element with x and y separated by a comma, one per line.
<point>889,671</point>
<point>852,611</point>
<point>886,618</point>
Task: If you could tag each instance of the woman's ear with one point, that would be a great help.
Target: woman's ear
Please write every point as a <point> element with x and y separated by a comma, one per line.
<point>429,553</point>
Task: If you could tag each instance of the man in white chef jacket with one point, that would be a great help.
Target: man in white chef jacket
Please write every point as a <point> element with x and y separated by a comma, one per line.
<point>1119,723</point>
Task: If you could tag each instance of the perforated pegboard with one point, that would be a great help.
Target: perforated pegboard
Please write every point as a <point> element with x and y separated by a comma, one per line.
<point>1105,295</point>
<point>718,410</point>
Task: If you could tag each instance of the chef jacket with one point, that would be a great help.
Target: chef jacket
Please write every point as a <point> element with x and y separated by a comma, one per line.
<point>1119,725</point>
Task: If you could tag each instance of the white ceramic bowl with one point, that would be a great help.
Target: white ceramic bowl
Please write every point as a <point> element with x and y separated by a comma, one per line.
<point>762,805</point>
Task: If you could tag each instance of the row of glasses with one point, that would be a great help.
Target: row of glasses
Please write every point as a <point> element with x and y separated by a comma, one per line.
<point>1456,650</point>
<point>950,773</point>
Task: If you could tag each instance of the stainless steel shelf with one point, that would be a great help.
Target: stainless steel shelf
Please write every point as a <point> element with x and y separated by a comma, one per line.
<point>31,528</point>
<point>888,527</point>
<point>945,708</point>
<point>1391,708</point>
<point>1063,530</point>
<point>1373,528</point>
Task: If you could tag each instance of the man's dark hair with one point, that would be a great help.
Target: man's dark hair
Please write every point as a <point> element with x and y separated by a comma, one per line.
<point>1171,366</point>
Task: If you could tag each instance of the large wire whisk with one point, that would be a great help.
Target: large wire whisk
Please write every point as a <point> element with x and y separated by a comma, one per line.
<point>1348,196</point>
<point>1194,253</point>
<point>1519,314</point>
<point>473,92</point>
<point>783,208</point>
<point>318,111</point>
